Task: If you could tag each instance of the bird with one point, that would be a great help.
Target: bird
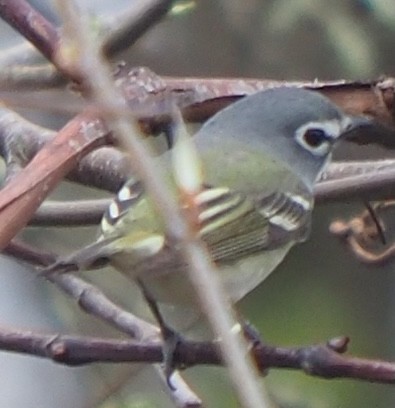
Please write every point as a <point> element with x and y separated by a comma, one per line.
<point>261,157</point>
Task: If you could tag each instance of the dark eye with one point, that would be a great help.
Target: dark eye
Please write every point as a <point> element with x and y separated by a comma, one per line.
<point>315,137</point>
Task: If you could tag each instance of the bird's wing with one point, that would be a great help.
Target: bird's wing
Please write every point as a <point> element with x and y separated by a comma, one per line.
<point>114,221</point>
<point>128,227</point>
<point>232,225</point>
<point>235,226</point>
<point>247,237</point>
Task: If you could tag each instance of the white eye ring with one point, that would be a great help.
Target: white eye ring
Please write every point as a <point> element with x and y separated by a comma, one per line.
<point>308,136</point>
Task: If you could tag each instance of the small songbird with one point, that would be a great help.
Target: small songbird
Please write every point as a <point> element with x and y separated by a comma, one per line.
<point>261,157</point>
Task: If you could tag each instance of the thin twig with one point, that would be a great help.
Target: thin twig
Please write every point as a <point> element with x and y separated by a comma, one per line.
<point>70,213</point>
<point>94,302</point>
<point>369,186</point>
<point>118,32</point>
<point>87,212</point>
<point>90,299</point>
<point>20,54</point>
<point>20,198</point>
<point>35,77</point>
<point>32,25</point>
<point>129,26</point>
<point>202,275</point>
<point>364,234</point>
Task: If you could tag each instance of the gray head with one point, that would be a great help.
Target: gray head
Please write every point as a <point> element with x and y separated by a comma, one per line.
<point>295,126</point>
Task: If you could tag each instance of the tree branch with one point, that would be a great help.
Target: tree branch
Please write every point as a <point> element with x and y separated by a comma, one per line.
<point>132,24</point>
<point>108,168</point>
<point>32,25</point>
<point>20,198</point>
<point>357,181</point>
<point>93,301</point>
<point>88,297</point>
<point>322,360</point>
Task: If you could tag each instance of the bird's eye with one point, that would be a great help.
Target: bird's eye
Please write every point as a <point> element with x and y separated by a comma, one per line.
<point>315,137</point>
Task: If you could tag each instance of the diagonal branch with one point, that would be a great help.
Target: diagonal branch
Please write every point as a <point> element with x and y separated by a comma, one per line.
<point>90,299</point>
<point>201,269</point>
<point>20,198</point>
<point>132,24</point>
<point>94,302</point>
<point>20,15</point>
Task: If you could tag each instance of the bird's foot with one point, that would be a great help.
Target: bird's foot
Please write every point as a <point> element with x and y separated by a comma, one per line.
<point>171,340</point>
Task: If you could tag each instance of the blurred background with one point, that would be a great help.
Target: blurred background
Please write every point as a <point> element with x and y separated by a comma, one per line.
<point>319,292</point>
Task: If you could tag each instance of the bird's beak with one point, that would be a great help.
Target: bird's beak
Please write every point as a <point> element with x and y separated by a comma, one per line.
<point>362,130</point>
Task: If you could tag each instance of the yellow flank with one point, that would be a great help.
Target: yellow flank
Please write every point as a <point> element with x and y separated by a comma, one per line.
<point>141,244</point>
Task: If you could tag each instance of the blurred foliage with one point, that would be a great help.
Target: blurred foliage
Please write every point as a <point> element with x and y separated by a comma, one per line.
<point>274,39</point>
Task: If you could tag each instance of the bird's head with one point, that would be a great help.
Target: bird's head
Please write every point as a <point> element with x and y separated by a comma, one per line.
<point>296,127</point>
